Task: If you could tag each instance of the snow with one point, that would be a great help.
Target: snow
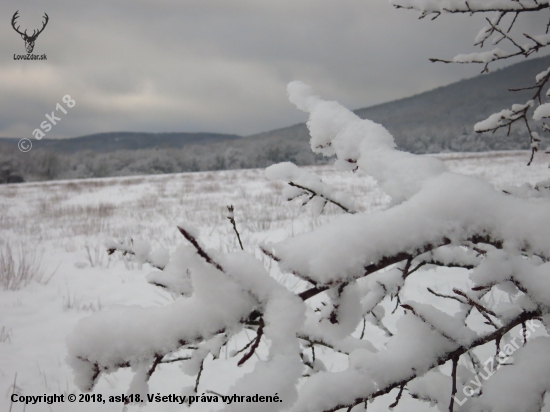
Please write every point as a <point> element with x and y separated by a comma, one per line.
<point>480,57</point>
<point>543,39</point>
<point>503,117</point>
<point>523,382</point>
<point>366,143</point>
<point>542,111</point>
<point>542,75</point>
<point>439,204</point>
<point>40,316</point>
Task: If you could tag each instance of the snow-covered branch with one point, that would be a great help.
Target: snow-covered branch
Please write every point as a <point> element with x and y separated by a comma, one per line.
<point>305,184</point>
<point>359,265</point>
<point>500,30</point>
<point>426,7</point>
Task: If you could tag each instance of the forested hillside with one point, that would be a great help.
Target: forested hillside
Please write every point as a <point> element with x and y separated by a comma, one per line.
<point>443,119</point>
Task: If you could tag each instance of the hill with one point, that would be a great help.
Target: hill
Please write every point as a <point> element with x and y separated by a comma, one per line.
<point>109,142</point>
<point>442,119</point>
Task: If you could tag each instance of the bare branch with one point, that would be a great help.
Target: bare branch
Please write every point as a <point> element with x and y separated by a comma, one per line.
<point>231,218</point>
<point>313,193</point>
<point>196,389</point>
<point>453,376</point>
<point>254,345</point>
<point>199,249</point>
<point>393,405</point>
<point>129,250</point>
<point>484,311</point>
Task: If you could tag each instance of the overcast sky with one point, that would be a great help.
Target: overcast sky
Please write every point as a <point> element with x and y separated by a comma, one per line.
<point>217,65</point>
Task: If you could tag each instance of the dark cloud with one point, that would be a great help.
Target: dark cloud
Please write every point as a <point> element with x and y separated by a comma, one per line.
<point>217,65</point>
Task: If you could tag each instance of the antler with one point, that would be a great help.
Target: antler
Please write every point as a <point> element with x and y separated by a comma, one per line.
<point>34,33</point>
<point>15,16</point>
<point>43,25</point>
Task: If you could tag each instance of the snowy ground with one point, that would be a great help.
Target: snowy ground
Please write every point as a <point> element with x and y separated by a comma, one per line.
<point>63,226</point>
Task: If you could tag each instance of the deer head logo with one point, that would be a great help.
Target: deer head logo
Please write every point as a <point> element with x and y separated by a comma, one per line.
<point>29,40</point>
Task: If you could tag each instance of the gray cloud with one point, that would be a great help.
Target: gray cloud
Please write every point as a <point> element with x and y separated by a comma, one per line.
<point>217,65</point>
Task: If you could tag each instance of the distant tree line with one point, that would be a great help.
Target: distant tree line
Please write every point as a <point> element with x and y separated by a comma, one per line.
<point>39,164</point>
<point>42,164</point>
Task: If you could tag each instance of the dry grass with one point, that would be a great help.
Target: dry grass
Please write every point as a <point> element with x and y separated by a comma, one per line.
<point>49,209</point>
<point>5,335</point>
<point>74,302</point>
<point>131,181</point>
<point>97,256</point>
<point>9,192</point>
<point>19,267</point>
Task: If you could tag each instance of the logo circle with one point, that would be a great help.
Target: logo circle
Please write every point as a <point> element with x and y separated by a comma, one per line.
<point>24,145</point>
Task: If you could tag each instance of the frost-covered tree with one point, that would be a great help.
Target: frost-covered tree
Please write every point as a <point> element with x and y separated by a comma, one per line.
<point>500,32</point>
<point>369,301</point>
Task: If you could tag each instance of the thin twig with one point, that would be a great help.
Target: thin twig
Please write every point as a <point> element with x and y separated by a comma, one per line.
<point>183,358</point>
<point>484,311</point>
<point>199,376</point>
<point>393,405</point>
<point>364,325</point>
<point>231,218</point>
<point>199,249</point>
<point>314,193</point>
<point>13,390</point>
<point>254,345</point>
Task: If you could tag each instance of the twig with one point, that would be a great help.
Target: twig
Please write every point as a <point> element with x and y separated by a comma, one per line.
<point>13,390</point>
<point>254,345</point>
<point>423,319</point>
<point>183,358</point>
<point>484,311</point>
<point>199,376</point>
<point>453,391</point>
<point>157,360</point>
<point>269,254</point>
<point>199,249</point>
<point>364,325</point>
<point>393,405</point>
<point>129,251</point>
<point>231,218</point>
<point>314,193</point>
<point>451,297</point>
<point>245,347</point>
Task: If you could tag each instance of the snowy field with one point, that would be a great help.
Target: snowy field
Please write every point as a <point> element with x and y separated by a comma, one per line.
<point>58,231</point>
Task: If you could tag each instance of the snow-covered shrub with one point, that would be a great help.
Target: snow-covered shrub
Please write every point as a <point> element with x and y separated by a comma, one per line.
<point>499,32</point>
<point>361,278</point>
